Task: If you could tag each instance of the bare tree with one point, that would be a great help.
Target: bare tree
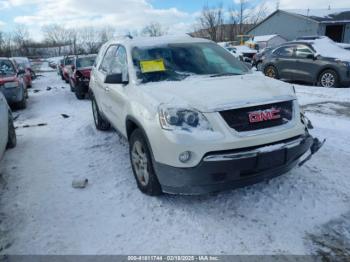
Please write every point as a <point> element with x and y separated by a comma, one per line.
<point>154,29</point>
<point>21,39</point>
<point>57,35</point>
<point>211,20</point>
<point>258,13</point>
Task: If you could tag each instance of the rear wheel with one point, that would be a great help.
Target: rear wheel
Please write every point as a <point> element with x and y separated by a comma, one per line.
<point>328,78</point>
<point>12,138</point>
<point>79,92</point>
<point>271,71</point>
<point>142,166</point>
<point>71,84</point>
<point>100,122</point>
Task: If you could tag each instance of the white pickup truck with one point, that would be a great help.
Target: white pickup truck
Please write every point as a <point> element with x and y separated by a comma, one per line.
<point>197,119</point>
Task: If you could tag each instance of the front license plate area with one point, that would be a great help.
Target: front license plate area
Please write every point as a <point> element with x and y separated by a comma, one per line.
<point>271,159</point>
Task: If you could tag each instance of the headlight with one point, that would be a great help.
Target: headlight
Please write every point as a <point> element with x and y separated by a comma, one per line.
<point>11,85</point>
<point>171,118</point>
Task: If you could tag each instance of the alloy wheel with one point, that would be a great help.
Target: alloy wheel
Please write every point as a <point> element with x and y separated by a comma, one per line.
<point>327,80</point>
<point>140,162</point>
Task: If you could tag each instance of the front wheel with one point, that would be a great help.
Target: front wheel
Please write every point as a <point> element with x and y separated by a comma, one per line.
<point>328,78</point>
<point>12,138</point>
<point>142,166</point>
<point>100,122</point>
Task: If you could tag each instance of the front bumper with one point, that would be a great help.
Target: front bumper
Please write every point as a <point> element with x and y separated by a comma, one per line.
<point>236,168</point>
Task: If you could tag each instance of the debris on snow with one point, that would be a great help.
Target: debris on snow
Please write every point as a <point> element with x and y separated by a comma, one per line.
<point>80,183</point>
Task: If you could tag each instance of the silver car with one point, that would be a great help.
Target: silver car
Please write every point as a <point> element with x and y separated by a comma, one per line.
<point>7,129</point>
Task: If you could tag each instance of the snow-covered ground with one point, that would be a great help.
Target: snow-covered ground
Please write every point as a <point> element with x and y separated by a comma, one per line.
<point>40,212</point>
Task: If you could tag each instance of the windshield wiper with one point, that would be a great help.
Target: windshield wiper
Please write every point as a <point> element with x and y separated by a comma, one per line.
<point>226,74</point>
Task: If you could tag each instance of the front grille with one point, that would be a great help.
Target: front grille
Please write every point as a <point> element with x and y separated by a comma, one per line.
<point>238,119</point>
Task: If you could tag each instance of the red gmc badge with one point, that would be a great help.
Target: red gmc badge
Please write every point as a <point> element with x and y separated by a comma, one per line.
<point>264,115</point>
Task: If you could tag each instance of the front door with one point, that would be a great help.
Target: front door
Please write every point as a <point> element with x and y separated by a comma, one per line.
<point>306,66</point>
<point>117,92</point>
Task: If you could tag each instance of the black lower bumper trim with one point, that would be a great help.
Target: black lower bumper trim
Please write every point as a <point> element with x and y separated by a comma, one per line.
<point>214,176</point>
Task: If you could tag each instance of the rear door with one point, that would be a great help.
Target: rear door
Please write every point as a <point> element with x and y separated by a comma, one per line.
<point>284,60</point>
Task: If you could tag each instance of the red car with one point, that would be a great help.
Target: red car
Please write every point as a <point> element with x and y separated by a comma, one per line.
<point>22,63</point>
<point>67,67</point>
<point>12,83</point>
<point>80,75</point>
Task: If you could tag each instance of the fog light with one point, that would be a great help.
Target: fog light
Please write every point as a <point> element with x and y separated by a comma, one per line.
<point>185,156</point>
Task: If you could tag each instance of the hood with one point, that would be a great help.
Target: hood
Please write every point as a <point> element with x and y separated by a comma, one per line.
<point>7,79</point>
<point>211,94</point>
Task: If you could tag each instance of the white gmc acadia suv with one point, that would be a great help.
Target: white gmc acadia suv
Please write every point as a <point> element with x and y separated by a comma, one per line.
<point>197,119</point>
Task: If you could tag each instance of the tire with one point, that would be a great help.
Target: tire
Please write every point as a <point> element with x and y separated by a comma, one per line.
<point>142,165</point>
<point>271,71</point>
<point>79,92</point>
<point>72,88</point>
<point>12,138</point>
<point>23,103</point>
<point>100,122</point>
<point>328,78</point>
<point>62,77</point>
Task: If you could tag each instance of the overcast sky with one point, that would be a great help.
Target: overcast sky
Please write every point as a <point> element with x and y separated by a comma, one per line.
<point>125,15</point>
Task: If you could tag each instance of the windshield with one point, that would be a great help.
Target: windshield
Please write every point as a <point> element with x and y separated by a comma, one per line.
<point>175,62</point>
<point>6,68</point>
<point>85,61</point>
<point>22,62</point>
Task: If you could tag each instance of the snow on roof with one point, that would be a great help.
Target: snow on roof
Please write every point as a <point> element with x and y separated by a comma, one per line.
<point>263,38</point>
<point>328,48</point>
<point>321,14</point>
<point>161,40</point>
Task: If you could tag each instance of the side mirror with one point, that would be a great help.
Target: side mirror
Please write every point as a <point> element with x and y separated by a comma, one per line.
<point>115,79</point>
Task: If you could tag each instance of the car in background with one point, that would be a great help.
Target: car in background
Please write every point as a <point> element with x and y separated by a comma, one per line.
<point>12,84</point>
<point>60,68</point>
<point>244,53</point>
<point>319,61</point>
<point>7,130</point>
<point>26,64</point>
<point>260,56</point>
<point>22,64</point>
<point>197,119</point>
<point>80,75</point>
<point>67,68</point>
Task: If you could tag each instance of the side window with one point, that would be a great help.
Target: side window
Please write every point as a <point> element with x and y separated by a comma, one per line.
<point>99,56</point>
<point>120,65</point>
<point>108,59</point>
<point>285,51</point>
<point>303,51</point>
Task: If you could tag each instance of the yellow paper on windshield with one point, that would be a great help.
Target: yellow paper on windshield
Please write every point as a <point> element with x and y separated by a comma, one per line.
<point>150,66</point>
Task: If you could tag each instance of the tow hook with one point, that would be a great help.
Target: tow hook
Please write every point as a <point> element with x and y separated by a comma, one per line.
<point>316,145</point>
